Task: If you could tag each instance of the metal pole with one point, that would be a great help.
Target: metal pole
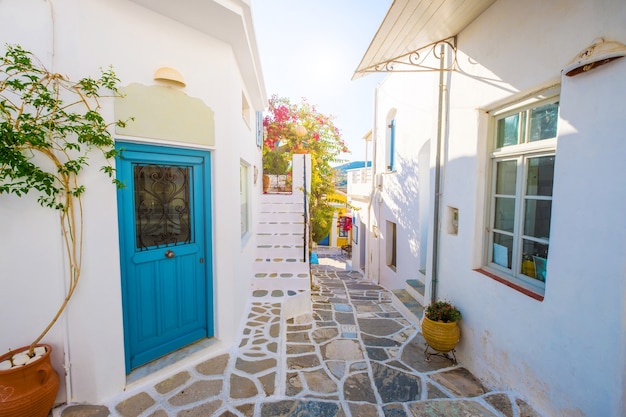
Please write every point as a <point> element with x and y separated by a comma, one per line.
<point>433,287</point>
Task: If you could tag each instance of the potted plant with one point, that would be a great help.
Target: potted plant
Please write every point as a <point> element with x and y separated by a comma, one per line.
<point>48,127</point>
<point>440,326</point>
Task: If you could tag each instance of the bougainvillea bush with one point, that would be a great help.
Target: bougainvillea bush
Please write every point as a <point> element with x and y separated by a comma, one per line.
<point>291,128</point>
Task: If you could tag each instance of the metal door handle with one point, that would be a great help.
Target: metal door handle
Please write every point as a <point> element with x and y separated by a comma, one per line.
<point>169,254</point>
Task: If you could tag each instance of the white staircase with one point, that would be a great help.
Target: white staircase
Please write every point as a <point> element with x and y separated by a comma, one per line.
<point>281,267</point>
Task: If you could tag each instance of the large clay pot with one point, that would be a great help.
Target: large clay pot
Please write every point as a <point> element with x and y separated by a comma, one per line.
<point>29,390</point>
<point>439,335</point>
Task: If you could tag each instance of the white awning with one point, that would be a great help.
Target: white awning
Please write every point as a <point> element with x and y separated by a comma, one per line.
<point>411,25</point>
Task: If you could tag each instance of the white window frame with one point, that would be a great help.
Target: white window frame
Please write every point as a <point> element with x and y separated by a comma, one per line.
<point>521,153</point>
<point>244,198</point>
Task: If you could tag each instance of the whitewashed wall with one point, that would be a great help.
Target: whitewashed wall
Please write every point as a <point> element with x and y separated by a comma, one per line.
<point>77,38</point>
<point>398,196</point>
<point>548,350</point>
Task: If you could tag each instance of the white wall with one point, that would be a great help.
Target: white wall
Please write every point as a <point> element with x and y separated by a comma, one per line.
<point>397,200</point>
<point>547,350</point>
<point>77,39</point>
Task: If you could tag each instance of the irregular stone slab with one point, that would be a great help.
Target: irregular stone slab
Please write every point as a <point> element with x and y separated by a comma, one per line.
<point>460,382</point>
<point>413,356</point>
<point>337,368</point>
<point>377,354</point>
<point>215,366</point>
<point>254,367</point>
<point>500,402</point>
<point>319,381</point>
<point>526,410</point>
<point>363,410</point>
<point>203,410</point>
<point>433,392</point>
<point>275,330</point>
<point>395,386</point>
<point>357,387</point>
<point>294,385</point>
<point>246,409</point>
<point>322,335</point>
<point>342,349</point>
<point>241,387</point>
<point>83,410</point>
<point>342,307</point>
<point>269,383</point>
<point>394,410</point>
<point>344,318</point>
<point>378,341</point>
<point>447,408</point>
<point>300,337</point>
<point>303,362</point>
<point>197,391</point>
<point>135,405</point>
<point>159,413</point>
<point>399,365</point>
<point>298,408</point>
<point>358,366</point>
<point>172,383</point>
<point>298,349</point>
<point>367,308</point>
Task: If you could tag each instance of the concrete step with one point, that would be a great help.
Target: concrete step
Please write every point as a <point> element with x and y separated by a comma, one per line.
<point>280,251</point>
<point>264,239</point>
<point>280,227</point>
<point>408,305</point>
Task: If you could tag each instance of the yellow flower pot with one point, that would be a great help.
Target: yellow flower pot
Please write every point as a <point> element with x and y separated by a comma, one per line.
<point>441,336</point>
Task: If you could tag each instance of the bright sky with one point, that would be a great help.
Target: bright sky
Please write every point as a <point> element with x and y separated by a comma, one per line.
<point>310,49</point>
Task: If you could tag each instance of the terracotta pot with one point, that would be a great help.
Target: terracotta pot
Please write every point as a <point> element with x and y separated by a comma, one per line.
<point>439,335</point>
<point>266,183</point>
<point>29,390</point>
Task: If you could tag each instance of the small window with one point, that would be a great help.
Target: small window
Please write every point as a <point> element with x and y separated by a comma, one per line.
<point>522,175</point>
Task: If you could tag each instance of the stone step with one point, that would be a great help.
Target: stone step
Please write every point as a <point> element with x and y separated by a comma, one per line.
<point>416,288</point>
<point>408,305</point>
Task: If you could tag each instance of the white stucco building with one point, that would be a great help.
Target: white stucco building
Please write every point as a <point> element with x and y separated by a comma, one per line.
<point>516,156</point>
<point>205,125</point>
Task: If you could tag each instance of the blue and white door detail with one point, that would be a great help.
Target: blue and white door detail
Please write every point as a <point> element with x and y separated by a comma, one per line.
<point>165,230</point>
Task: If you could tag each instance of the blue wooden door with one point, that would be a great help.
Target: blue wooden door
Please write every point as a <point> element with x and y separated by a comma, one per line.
<point>164,219</point>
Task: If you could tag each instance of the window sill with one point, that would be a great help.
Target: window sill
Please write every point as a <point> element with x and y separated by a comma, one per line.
<point>528,292</point>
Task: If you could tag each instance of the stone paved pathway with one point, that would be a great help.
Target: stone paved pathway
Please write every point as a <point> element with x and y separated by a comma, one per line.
<point>357,356</point>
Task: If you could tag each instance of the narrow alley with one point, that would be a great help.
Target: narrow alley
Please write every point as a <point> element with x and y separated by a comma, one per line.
<point>356,356</point>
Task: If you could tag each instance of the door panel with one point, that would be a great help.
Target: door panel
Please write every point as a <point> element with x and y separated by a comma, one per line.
<point>164,226</point>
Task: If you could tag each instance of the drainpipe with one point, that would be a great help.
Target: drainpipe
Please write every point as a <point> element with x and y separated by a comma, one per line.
<point>368,260</point>
<point>435,258</point>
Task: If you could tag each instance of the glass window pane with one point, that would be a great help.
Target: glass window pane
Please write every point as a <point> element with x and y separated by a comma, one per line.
<point>540,176</point>
<point>508,131</point>
<point>543,122</point>
<point>506,177</point>
<point>162,205</point>
<point>502,250</point>
<point>537,218</point>
<point>504,217</point>
<point>534,259</point>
